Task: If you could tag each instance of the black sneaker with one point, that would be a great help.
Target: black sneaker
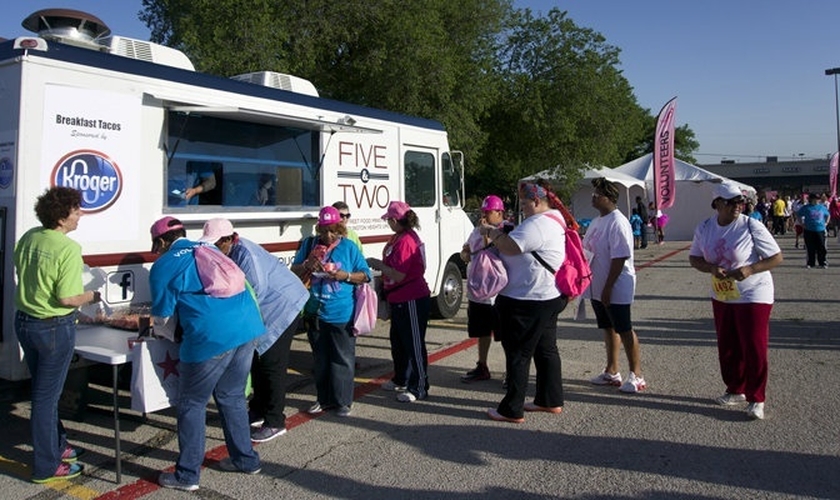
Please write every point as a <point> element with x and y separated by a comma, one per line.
<point>227,465</point>
<point>264,434</point>
<point>481,372</point>
<point>168,480</point>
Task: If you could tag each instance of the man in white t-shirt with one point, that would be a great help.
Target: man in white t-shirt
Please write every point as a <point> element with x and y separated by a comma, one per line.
<point>609,239</point>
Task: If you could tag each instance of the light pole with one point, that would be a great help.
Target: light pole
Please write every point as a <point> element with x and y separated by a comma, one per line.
<point>835,72</point>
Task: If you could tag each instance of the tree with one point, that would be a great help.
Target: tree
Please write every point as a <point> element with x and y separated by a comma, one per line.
<point>563,103</point>
<point>429,58</point>
<point>517,93</point>
<point>685,143</point>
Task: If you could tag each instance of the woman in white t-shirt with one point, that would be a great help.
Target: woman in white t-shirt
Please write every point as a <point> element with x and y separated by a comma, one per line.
<point>530,303</point>
<point>739,254</point>
<point>609,239</point>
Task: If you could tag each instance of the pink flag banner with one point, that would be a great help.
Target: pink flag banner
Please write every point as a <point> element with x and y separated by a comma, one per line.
<point>832,174</point>
<point>663,157</point>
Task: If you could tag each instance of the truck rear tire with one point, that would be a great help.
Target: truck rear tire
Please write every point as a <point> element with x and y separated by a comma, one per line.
<point>447,303</point>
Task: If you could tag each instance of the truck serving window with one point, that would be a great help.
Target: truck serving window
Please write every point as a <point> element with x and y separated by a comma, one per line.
<point>240,164</point>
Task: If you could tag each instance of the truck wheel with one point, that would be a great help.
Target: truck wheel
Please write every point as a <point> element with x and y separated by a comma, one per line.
<point>447,303</point>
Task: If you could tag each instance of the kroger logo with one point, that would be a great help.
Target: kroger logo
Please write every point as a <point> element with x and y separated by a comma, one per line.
<point>94,174</point>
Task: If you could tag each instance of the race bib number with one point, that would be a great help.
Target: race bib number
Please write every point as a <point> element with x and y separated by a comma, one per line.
<point>725,289</point>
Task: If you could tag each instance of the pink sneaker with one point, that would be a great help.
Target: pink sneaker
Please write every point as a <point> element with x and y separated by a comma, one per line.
<point>633,384</point>
<point>64,471</point>
<point>71,454</point>
<point>607,379</point>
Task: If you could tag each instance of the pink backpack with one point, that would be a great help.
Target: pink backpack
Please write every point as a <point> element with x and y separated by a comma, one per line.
<point>219,275</point>
<point>487,275</point>
<point>365,309</point>
<point>574,275</point>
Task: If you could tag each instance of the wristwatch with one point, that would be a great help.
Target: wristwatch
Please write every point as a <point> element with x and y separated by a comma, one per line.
<point>347,279</point>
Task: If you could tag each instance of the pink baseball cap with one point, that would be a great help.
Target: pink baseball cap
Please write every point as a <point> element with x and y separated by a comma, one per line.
<point>328,216</point>
<point>396,210</point>
<point>163,226</point>
<point>492,202</point>
<point>216,229</point>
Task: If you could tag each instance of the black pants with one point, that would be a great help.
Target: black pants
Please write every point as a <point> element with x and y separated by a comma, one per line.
<point>268,378</point>
<point>528,329</point>
<point>815,247</point>
<point>408,345</point>
<point>779,224</point>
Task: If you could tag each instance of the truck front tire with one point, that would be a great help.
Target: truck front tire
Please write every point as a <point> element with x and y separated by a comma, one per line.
<point>447,303</point>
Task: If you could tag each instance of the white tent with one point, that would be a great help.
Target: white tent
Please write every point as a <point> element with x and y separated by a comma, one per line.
<point>693,197</point>
<point>581,202</point>
<point>629,188</point>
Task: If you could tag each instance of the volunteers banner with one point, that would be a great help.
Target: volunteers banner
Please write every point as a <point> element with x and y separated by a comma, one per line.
<point>664,186</point>
<point>832,174</point>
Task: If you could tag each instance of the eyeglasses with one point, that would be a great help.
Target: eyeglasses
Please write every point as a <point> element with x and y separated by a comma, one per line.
<point>345,216</point>
<point>735,201</point>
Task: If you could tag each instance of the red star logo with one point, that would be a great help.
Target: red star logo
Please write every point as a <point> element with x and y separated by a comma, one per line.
<point>170,366</point>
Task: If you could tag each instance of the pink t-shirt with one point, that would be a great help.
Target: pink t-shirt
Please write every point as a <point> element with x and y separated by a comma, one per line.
<point>406,253</point>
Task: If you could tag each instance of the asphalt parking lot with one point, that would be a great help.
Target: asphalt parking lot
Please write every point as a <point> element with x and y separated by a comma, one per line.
<point>668,442</point>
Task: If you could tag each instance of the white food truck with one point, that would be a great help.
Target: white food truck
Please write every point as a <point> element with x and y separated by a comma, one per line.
<point>132,125</point>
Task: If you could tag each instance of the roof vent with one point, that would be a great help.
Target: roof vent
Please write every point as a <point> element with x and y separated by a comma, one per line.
<point>72,27</point>
<point>279,81</point>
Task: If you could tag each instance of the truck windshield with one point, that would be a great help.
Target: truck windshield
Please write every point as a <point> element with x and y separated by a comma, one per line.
<point>240,164</point>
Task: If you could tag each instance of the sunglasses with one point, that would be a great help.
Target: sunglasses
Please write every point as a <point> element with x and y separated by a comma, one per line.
<point>345,216</point>
<point>735,201</point>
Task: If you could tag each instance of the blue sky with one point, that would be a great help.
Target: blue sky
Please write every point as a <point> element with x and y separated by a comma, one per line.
<point>749,75</point>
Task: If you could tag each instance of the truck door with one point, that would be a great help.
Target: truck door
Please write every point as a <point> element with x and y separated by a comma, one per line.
<point>421,189</point>
<point>434,189</point>
<point>453,228</point>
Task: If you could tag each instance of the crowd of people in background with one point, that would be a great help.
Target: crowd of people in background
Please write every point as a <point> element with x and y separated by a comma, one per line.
<point>647,217</point>
<point>812,217</point>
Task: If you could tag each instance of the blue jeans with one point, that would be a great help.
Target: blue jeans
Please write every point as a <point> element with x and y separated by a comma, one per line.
<point>48,349</point>
<point>223,377</point>
<point>334,351</point>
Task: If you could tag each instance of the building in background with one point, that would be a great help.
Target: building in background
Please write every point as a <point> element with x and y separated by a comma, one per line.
<point>787,177</point>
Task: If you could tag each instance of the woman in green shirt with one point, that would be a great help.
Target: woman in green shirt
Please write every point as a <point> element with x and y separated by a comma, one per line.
<point>49,274</point>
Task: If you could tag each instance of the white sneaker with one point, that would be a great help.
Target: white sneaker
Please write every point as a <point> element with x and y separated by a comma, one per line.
<point>607,379</point>
<point>391,386</point>
<point>633,384</point>
<point>755,411</point>
<point>730,399</point>
<point>315,409</point>
<point>406,397</point>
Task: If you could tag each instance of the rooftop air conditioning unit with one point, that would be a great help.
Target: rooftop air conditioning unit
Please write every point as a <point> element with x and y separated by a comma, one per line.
<point>279,81</point>
<point>147,51</point>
